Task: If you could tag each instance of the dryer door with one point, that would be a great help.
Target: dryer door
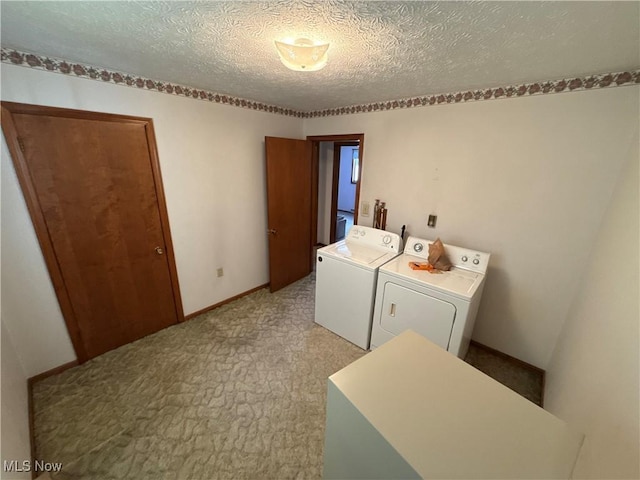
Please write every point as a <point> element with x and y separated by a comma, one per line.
<point>403,309</point>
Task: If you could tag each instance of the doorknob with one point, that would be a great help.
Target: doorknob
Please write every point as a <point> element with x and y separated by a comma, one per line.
<point>272,231</point>
<point>159,250</point>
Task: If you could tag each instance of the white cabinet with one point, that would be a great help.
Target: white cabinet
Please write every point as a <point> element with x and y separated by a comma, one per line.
<point>409,409</point>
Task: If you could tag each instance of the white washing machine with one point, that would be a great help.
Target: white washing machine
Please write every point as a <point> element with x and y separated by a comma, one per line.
<point>346,273</point>
<point>441,307</point>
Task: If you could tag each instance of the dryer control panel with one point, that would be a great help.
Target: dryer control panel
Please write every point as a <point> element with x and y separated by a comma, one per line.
<point>374,237</point>
<point>458,256</point>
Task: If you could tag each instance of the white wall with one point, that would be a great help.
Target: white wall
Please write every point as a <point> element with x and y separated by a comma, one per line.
<point>525,179</point>
<point>593,380</point>
<point>212,161</point>
<point>30,310</point>
<point>15,412</point>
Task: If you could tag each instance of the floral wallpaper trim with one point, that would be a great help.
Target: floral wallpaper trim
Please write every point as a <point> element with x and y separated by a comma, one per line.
<point>41,62</point>
<point>590,82</point>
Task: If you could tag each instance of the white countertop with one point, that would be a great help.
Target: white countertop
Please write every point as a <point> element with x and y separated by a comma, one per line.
<point>449,420</point>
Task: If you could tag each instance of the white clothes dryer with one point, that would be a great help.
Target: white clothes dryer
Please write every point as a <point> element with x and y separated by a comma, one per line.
<point>346,273</point>
<point>439,306</point>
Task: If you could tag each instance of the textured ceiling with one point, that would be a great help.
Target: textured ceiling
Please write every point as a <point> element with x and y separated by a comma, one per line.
<point>379,50</point>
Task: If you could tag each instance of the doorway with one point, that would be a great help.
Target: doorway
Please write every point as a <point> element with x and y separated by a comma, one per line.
<point>297,198</point>
<point>346,174</point>
<point>336,168</point>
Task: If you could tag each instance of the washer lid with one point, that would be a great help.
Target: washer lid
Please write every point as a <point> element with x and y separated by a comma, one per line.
<point>458,282</point>
<point>351,252</point>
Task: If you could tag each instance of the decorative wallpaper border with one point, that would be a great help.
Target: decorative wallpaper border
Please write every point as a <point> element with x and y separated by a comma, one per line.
<point>55,65</point>
<point>590,82</point>
<point>575,84</point>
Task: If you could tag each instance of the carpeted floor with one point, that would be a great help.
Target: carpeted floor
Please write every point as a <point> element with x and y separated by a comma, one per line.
<point>236,393</point>
<point>528,382</point>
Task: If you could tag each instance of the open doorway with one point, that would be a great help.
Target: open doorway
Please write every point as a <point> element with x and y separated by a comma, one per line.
<point>346,174</point>
<point>337,167</point>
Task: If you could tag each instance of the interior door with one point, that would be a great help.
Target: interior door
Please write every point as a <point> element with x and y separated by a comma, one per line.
<point>93,188</point>
<point>289,210</point>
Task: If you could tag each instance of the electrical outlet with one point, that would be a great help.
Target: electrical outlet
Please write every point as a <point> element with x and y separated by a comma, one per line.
<point>432,221</point>
<point>220,272</point>
<point>365,209</point>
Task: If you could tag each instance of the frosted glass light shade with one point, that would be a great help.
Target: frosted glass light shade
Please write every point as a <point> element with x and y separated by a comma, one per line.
<point>302,54</point>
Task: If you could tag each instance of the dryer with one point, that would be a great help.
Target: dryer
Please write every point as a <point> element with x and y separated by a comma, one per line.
<point>439,306</point>
<point>346,274</point>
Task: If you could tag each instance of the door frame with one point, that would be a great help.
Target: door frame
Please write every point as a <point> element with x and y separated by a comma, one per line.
<point>37,215</point>
<point>314,141</point>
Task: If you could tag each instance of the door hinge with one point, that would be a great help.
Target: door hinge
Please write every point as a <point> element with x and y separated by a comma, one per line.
<point>21,144</point>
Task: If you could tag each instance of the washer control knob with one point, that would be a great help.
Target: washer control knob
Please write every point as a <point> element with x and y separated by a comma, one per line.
<point>386,239</point>
<point>476,261</point>
<point>464,258</point>
<point>418,247</point>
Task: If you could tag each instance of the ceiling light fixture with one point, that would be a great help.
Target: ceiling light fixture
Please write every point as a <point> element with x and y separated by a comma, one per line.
<point>302,54</point>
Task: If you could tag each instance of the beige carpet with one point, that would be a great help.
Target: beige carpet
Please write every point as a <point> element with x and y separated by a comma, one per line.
<point>235,393</point>
<point>528,382</point>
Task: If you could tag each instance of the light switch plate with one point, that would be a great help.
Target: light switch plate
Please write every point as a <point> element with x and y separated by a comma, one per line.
<point>365,209</point>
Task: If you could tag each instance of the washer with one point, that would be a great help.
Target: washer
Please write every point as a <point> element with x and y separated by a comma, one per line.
<point>346,274</point>
<point>441,307</point>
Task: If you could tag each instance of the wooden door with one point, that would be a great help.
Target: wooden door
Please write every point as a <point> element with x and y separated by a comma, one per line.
<point>289,210</point>
<point>92,184</point>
